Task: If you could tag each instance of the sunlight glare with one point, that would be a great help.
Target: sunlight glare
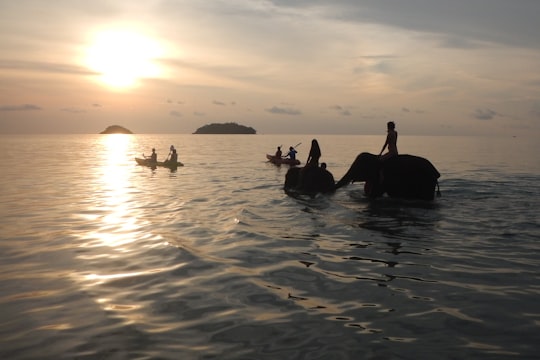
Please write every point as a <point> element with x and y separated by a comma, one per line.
<point>122,58</point>
<point>117,146</point>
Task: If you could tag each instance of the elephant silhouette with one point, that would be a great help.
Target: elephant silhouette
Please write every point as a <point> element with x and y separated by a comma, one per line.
<point>309,180</point>
<point>401,176</point>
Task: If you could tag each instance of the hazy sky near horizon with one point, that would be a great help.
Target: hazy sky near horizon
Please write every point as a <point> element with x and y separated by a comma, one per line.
<point>336,66</point>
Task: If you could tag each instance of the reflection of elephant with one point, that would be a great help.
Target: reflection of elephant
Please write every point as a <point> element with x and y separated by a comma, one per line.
<point>309,180</point>
<point>401,176</point>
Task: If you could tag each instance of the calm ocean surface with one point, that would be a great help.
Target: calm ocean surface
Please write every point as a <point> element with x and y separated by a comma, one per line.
<point>104,259</point>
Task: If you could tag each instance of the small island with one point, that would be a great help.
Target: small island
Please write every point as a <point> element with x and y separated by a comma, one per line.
<point>226,128</point>
<point>116,129</point>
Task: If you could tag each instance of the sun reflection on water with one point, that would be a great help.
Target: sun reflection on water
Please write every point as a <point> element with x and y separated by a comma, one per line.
<point>112,210</point>
<point>116,234</point>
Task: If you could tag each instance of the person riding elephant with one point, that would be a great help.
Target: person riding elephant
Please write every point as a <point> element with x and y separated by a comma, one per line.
<point>403,176</point>
<point>391,142</point>
<point>314,154</point>
<point>311,178</point>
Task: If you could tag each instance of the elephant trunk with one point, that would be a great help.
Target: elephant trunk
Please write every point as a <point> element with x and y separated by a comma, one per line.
<point>345,180</point>
<point>364,167</point>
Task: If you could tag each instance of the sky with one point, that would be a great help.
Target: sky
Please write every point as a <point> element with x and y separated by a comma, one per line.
<point>434,67</point>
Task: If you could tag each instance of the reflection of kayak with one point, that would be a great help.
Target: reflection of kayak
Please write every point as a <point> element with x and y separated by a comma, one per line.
<point>148,162</point>
<point>279,161</point>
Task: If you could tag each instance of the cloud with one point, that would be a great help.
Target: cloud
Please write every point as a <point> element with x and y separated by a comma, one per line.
<point>56,68</point>
<point>73,110</point>
<point>341,110</point>
<point>535,110</point>
<point>283,111</point>
<point>175,113</point>
<point>379,64</point>
<point>378,57</point>
<point>174,102</point>
<point>497,21</point>
<point>485,114</point>
<point>453,42</point>
<point>24,107</point>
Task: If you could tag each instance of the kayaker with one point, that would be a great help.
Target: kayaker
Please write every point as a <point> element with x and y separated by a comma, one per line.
<point>171,148</point>
<point>174,157</point>
<point>153,157</point>
<point>292,153</point>
<point>278,153</point>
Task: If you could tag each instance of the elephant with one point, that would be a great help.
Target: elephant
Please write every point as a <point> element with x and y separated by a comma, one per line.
<point>401,176</point>
<point>309,180</point>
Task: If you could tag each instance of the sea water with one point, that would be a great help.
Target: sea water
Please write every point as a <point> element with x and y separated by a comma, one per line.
<point>103,259</point>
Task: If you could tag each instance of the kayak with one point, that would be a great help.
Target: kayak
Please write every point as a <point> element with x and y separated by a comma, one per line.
<point>148,162</point>
<point>279,161</point>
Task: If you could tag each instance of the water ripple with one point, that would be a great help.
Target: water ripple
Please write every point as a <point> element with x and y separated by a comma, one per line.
<point>214,260</point>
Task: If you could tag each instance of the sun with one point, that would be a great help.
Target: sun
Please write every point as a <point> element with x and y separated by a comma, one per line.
<point>122,58</point>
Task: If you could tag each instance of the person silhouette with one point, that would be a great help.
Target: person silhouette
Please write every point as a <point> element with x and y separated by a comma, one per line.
<point>153,156</point>
<point>311,164</point>
<point>391,142</point>
<point>292,153</point>
<point>314,154</point>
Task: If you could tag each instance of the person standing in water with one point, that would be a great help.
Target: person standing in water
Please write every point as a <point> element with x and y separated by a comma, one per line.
<point>391,142</point>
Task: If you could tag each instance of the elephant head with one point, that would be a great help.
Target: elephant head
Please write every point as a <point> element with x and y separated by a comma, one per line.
<point>404,176</point>
<point>309,180</point>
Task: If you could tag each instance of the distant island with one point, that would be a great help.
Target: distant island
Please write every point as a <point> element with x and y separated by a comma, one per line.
<point>226,128</point>
<point>116,129</point>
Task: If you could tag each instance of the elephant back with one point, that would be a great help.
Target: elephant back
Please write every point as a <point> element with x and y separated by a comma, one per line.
<point>419,165</point>
<point>412,164</point>
<point>410,176</point>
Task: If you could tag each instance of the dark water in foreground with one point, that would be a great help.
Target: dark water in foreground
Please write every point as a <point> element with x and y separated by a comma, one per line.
<point>104,259</point>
